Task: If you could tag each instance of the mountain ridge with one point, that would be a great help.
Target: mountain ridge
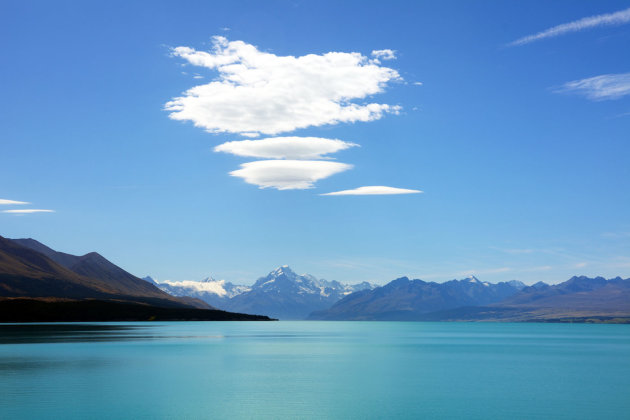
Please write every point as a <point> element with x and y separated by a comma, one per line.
<point>280,294</point>
<point>32,269</point>
<point>402,299</point>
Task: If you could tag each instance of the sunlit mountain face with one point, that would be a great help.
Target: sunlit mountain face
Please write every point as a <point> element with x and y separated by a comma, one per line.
<point>282,293</point>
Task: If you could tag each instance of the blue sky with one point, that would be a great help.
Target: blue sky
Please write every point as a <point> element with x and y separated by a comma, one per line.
<point>521,148</point>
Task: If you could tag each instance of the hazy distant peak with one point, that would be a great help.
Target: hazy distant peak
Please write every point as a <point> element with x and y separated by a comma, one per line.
<point>540,285</point>
<point>586,278</point>
<point>150,279</point>
<point>516,284</point>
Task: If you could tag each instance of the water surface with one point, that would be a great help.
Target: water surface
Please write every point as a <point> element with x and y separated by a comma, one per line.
<point>315,370</point>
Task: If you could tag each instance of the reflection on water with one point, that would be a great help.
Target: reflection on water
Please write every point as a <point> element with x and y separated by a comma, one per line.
<point>60,333</point>
<point>85,333</point>
<point>29,365</point>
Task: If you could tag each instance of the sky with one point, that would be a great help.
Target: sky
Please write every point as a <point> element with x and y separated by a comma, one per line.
<point>355,141</point>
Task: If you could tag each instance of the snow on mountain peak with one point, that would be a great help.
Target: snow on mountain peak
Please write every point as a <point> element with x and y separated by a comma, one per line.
<point>284,269</point>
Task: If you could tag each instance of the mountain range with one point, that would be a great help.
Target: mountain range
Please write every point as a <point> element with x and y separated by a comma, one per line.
<point>36,278</point>
<point>280,294</point>
<point>578,299</point>
<point>285,295</point>
<point>405,299</point>
<point>38,283</point>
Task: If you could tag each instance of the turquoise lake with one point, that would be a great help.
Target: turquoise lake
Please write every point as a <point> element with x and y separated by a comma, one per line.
<point>340,370</point>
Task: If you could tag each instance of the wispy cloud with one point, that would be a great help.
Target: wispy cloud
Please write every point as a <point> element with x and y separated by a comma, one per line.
<point>27,211</point>
<point>259,92</point>
<point>12,202</point>
<point>386,54</point>
<point>599,88</point>
<point>610,19</point>
<point>288,174</point>
<point>374,190</point>
<point>285,147</point>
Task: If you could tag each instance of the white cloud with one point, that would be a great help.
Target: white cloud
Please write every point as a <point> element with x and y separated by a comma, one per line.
<point>384,54</point>
<point>598,88</point>
<point>375,190</point>
<point>260,92</point>
<point>609,19</point>
<point>11,202</point>
<point>288,174</point>
<point>27,211</point>
<point>216,287</point>
<point>250,134</point>
<point>418,83</point>
<point>285,147</point>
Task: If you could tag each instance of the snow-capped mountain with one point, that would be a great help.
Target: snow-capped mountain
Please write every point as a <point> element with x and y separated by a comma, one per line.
<point>281,294</point>
<point>283,279</point>
<point>208,289</point>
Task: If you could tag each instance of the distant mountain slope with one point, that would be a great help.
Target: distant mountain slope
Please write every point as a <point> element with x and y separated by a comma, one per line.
<point>405,299</point>
<point>31,271</point>
<point>578,297</point>
<point>577,292</point>
<point>281,294</point>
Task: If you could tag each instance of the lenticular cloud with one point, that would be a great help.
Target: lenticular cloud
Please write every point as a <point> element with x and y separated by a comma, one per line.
<point>259,92</point>
<point>375,190</point>
<point>285,147</point>
<point>288,174</point>
<point>256,93</point>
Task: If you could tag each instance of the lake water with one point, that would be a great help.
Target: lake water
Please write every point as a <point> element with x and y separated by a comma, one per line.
<point>292,370</point>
